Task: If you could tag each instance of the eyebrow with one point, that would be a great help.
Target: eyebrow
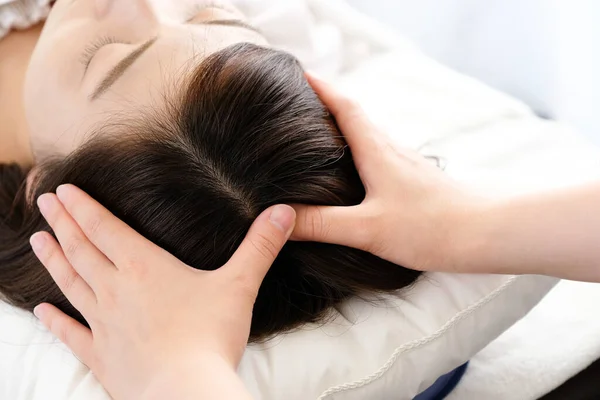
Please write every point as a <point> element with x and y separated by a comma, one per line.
<point>118,70</point>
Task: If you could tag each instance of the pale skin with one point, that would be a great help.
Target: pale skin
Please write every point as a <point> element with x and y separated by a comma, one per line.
<point>413,214</point>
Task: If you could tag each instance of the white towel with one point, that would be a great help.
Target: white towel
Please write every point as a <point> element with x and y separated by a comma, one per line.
<point>21,14</point>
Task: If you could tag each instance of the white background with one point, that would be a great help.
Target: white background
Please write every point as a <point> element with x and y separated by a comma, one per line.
<point>545,52</point>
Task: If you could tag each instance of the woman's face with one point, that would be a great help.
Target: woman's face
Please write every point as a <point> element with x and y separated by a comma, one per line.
<point>99,60</point>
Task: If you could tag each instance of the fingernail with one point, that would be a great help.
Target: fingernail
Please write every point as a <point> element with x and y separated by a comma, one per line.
<point>45,203</point>
<point>62,192</point>
<point>37,241</point>
<point>282,217</point>
<point>38,311</point>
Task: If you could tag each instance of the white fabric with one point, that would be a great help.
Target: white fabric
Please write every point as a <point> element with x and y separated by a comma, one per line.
<point>21,14</point>
<point>399,346</point>
<point>555,341</point>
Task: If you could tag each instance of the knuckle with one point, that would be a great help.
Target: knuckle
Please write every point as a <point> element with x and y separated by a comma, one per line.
<point>91,226</point>
<point>136,267</point>
<point>265,246</point>
<point>71,247</point>
<point>315,224</point>
<point>69,281</point>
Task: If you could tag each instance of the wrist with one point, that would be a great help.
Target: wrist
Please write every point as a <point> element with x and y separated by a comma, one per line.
<point>208,377</point>
<point>467,236</point>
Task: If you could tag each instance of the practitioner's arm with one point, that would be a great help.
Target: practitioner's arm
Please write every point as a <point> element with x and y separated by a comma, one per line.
<point>416,216</point>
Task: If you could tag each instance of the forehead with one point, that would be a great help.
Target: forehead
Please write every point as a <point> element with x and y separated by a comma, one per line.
<point>177,51</point>
<point>158,78</point>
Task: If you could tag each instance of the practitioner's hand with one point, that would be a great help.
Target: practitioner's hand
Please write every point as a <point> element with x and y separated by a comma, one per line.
<point>159,329</point>
<point>412,210</point>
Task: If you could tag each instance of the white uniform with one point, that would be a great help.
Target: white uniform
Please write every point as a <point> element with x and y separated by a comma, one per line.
<point>21,14</point>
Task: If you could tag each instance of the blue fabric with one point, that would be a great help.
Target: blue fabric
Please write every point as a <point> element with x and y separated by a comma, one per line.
<point>444,385</point>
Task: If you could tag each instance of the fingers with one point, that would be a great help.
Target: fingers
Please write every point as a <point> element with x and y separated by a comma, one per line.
<point>77,337</point>
<point>335,225</point>
<point>265,239</point>
<point>82,255</point>
<point>361,135</point>
<point>76,290</point>
<point>110,235</point>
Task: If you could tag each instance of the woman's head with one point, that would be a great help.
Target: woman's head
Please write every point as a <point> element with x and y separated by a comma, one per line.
<point>239,131</point>
<point>99,59</point>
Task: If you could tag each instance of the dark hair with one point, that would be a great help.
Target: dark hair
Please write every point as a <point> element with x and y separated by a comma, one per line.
<point>248,133</point>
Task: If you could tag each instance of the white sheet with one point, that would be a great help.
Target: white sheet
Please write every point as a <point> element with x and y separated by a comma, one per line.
<point>559,338</point>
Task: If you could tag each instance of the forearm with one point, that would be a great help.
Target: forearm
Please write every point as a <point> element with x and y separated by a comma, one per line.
<point>553,233</point>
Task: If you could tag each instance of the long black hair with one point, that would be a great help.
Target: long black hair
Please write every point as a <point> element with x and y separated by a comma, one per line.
<point>246,133</point>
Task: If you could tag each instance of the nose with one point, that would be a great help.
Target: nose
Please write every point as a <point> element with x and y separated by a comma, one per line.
<point>127,12</point>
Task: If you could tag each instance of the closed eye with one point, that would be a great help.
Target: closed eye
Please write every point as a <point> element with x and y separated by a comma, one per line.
<point>91,50</point>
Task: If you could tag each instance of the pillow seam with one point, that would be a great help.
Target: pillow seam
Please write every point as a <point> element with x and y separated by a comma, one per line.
<point>419,342</point>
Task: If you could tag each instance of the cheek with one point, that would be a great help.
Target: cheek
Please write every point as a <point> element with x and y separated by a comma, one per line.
<point>50,112</point>
<point>50,89</point>
<point>41,96</point>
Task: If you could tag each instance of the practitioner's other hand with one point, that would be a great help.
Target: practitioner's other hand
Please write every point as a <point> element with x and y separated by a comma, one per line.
<point>412,212</point>
<point>158,326</point>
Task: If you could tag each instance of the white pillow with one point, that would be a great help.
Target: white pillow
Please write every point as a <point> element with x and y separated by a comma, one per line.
<point>393,350</point>
<point>397,348</point>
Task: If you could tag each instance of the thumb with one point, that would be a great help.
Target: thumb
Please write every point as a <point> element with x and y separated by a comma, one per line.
<point>265,239</point>
<point>327,224</point>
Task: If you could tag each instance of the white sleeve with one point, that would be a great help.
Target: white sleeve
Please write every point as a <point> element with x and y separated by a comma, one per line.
<point>21,14</point>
